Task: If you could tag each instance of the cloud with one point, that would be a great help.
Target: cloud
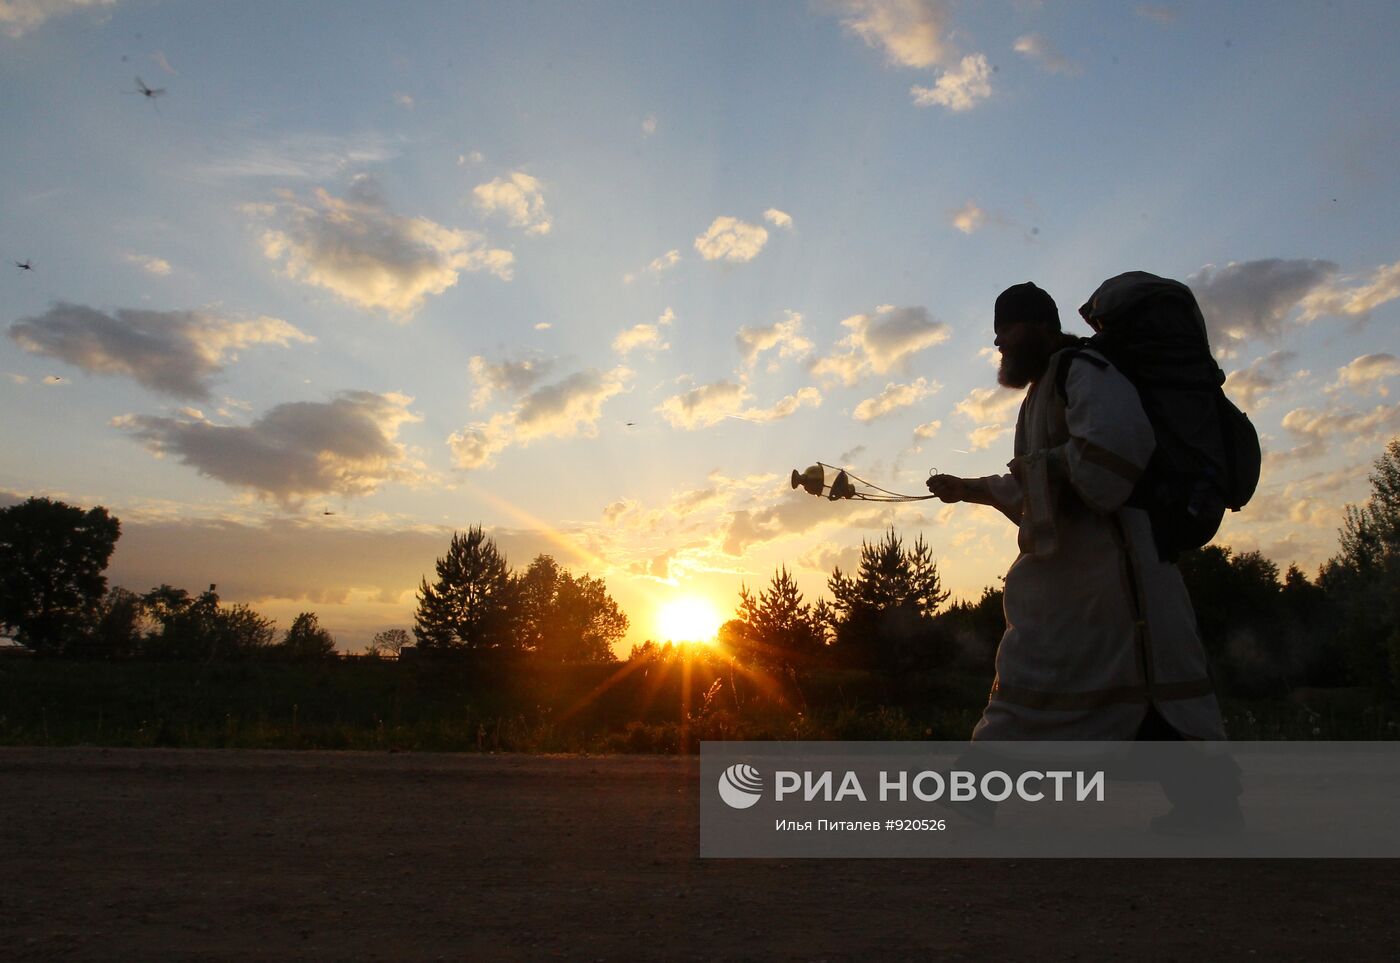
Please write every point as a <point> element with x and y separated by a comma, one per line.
<point>151,265</point>
<point>358,249</point>
<point>910,32</point>
<point>342,447</point>
<point>1250,387</point>
<point>543,326</point>
<point>882,343</point>
<point>518,198</point>
<point>1042,52</point>
<point>645,336</point>
<point>1365,428</point>
<point>1254,298</point>
<point>991,410</point>
<point>569,408</point>
<point>710,404</point>
<point>927,430</point>
<point>731,239</point>
<point>510,377</point>
<point>783,335</point>
<point>173,352</point>
<point>1356,302</point>
<point>18,17</point>
<point>657,266</point>
<point>704,406</point>
<point>893,398</point>
<point>778,218</point>
<point>958,89</point>
<point>1368,372</point>
<point>404,100</point>
<point>648,125</point>
<point>474,157</point>
<point>301,156</point>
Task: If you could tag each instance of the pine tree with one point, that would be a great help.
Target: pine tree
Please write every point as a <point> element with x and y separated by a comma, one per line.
<point>472,603</point>
<point>884,614</point>
<point>778,625</point>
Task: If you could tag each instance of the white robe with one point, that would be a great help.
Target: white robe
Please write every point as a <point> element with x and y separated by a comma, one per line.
<point>1097,626</point>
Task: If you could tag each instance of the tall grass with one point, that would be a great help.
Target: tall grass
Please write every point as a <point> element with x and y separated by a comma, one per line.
<point>465,707</point>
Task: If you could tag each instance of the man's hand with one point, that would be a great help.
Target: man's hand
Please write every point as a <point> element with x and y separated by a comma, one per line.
<point>948,488</point>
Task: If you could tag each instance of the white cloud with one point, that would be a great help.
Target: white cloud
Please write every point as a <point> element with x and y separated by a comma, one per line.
<point>1250,387</point>
<point>658,265</point>
<point>518,198</point>
<point>1368,373</point>
<point>645,336</point>
<point>300,156</point>
<point>710,404</point>
<point>959,88</point>
<point>783,335</point>
<point>705,405</point>
<point>1355,302</point>
<point>346,446</point>
<point>18,17</point>
<point>731,239</point>
<point>404,100</point>
<point>1041,51</point>
<point>989,404</point>
<point>543,326</point>
<point>371,257</point>
<point>474,157</point>
<point>569,408</point>
<point>1363,428</point>
<point>893,398</point>
<point>991,410</point>
<point>511,377</point>
<point>151,265</point>
<point>881,343</point>
<point>1254,298</point>
<point>912,33</point>
<point>778,218</point>
<point>927,430</point>
<point>648,125</point>
<point>173,352</point>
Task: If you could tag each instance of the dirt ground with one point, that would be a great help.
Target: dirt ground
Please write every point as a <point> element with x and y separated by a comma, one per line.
<point>223,854</point>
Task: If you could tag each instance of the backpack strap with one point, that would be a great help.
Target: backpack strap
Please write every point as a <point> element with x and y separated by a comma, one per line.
<point>1080,350</point>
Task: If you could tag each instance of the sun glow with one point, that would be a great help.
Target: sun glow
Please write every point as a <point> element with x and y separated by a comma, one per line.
<point>688,619</point>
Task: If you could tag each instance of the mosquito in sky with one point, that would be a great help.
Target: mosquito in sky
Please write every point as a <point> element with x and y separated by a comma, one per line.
<point>149,93</point>
<point>24,265</point>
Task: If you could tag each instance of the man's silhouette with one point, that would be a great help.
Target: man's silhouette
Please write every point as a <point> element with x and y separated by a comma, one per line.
<point>1100,640</point>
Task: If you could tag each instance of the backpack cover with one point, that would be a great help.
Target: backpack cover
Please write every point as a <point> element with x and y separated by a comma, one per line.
<point>1207,456</point>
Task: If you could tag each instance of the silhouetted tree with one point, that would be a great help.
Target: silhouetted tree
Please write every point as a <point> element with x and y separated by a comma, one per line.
<point>471,605</point>
<point>976,628</point>
<point>306,640</point>
<point>563,618</point>
<point>119,628</point>
<point>200,628</point>
<point>779,626</point>
<point>1363,579</point>
<point>52,557</point>
<point>884,614</point>
<point>389,642</point>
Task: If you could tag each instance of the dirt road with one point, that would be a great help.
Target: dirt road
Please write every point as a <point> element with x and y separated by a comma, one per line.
<point>171,854</point>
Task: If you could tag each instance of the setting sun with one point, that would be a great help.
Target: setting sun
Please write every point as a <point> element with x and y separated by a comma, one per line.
<point>688,619</point>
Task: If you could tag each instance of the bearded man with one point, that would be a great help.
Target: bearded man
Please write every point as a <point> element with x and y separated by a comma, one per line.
<point>1100,640</point>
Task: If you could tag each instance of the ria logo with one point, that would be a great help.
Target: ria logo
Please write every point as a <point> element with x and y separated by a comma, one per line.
<point>740,786</point>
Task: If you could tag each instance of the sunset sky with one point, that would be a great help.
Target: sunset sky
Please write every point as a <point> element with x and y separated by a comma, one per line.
<point>597,276</point>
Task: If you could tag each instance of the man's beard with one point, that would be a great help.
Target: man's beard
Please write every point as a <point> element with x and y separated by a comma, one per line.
<point>1019,368</point>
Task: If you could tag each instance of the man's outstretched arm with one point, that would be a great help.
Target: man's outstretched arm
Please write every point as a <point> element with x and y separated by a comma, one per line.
<point>1002,492</point>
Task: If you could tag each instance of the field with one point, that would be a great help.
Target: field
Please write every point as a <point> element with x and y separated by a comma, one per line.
<point>237,854</point>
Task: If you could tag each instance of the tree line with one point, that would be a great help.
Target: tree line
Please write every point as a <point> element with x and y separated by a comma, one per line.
<point>1266,632</point>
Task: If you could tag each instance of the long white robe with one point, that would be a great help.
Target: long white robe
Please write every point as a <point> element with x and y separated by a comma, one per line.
<point>1097,626</point>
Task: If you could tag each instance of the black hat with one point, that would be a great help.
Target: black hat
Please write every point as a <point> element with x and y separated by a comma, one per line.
<point>1026,302</point>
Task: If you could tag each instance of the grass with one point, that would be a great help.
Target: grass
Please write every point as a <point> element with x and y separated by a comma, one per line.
<point>373,705</point>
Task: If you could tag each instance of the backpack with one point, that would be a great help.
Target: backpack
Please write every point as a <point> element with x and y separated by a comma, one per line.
<point>1207,455</point>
